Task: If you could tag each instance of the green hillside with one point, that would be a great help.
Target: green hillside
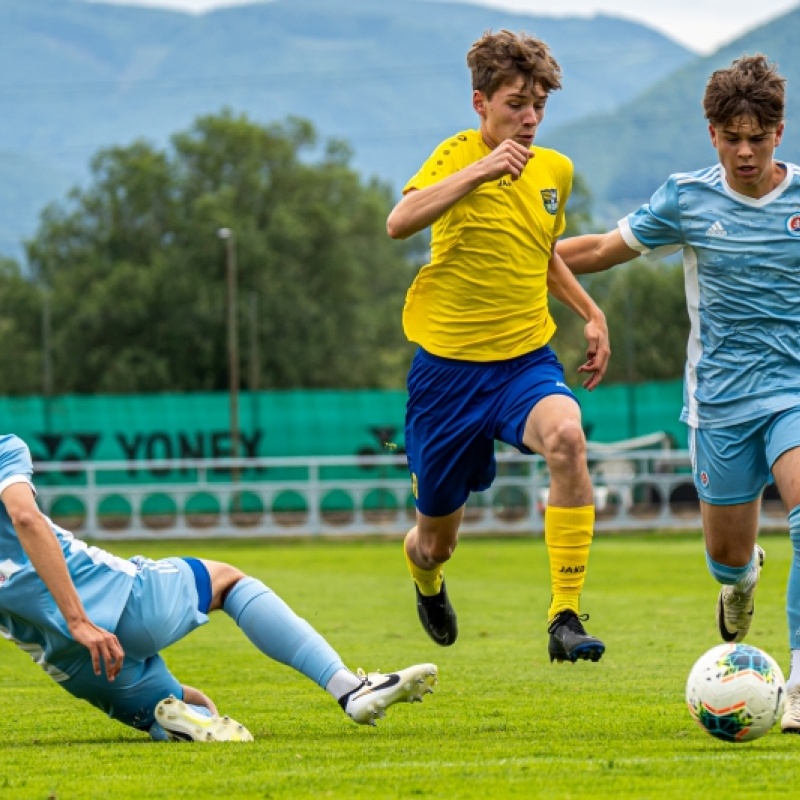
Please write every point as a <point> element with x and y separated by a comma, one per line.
<point>625,155</point>
<point>389,78</point>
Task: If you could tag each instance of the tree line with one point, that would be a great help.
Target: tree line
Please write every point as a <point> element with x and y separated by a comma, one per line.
<point>125,290</point>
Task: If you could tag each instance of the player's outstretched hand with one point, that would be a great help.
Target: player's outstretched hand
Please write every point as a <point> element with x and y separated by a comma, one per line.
<point>597,353</point>
<point>104,647</point>
<point>508,158</point>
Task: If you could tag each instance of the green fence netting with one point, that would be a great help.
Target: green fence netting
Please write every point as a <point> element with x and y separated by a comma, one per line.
<point>288,423</point>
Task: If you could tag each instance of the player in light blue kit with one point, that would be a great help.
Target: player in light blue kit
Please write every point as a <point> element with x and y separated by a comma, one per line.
<point>96,623</point>
<point>738,225</point>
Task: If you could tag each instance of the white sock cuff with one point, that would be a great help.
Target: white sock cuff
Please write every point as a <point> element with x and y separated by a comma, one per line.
<point>794,670</point>
<point>342,682</point>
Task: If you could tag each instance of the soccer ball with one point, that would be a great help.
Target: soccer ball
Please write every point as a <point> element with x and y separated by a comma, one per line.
<point>735,692</point>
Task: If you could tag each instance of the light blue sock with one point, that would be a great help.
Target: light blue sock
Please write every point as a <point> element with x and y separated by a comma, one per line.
<point>793,586</point>
<point>728,575</point>
<point>279,633</point>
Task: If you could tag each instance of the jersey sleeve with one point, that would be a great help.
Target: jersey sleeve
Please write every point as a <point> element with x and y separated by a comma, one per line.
<point>655,229</point>
<point>15,462</point>
<point>440,165</point>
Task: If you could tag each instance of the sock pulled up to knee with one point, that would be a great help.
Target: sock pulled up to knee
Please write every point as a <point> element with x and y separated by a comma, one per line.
<point>793,590</point>
<point>568,534</point>
<point>279,633</point>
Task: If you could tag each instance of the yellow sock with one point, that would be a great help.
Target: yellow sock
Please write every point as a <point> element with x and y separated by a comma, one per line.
<point>429,581</point>
<point>568,534</point>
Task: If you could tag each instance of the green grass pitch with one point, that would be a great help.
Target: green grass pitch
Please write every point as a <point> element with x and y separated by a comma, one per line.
<point>503,722</point>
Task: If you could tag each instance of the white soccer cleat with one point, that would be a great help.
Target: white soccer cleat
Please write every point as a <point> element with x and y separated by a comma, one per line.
<point>790,721</point>
<point>735,607</point>
<point>378,691</point>
<point>182,723</point>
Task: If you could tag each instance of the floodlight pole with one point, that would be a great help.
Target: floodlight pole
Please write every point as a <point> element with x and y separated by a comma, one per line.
<point>47,357</point>
<point>226,234</point>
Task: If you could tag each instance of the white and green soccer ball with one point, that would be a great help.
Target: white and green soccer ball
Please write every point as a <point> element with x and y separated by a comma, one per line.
<point>735,692</point>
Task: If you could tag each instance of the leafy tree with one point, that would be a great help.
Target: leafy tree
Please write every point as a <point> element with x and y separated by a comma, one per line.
<point>137,271</point>
<point>21,369</point>
<point>645,306</point>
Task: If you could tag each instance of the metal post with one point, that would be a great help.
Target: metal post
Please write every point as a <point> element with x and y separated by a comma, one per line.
<point>233,337</point>
<point>47,358</point>
<point>630,359</point>
<point>254,341</point>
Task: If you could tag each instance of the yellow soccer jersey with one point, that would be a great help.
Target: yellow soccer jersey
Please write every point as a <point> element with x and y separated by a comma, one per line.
<point>483,296</point>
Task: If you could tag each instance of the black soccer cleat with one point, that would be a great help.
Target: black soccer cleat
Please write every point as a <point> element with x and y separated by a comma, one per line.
<point>569,640</point>
<point>437,617</point>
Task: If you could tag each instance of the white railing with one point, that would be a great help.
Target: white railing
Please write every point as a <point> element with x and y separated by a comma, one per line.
<point>634,490</point>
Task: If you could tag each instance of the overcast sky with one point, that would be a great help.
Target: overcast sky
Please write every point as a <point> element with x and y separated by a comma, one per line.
<point>702,25</point>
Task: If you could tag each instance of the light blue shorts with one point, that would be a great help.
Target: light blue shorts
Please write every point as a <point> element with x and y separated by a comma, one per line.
<point>733,465</point>
<point>162,608</point>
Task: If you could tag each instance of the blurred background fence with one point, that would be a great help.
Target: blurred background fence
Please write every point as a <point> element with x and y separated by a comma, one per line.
<point>634,490</point>
<point>325,463</point>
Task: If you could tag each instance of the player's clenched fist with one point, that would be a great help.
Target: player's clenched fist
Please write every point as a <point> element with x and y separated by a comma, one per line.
<point>508,158</point>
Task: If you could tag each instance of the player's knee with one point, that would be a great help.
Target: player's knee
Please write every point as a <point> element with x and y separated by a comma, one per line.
<point>436,540</point>
<point>436,551</point>
<point>565,445</point>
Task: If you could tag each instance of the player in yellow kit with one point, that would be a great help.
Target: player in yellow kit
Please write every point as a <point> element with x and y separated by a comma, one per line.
<point>479,313</point>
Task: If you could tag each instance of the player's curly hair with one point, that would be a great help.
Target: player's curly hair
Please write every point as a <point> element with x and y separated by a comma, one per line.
<point>750,87</point>
<point>499,58</point>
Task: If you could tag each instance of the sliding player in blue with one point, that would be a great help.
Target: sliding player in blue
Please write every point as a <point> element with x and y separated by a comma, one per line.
<point>96,623</point>
<point>738,225</point>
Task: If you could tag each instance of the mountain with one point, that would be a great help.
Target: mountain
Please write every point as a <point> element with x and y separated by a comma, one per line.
<point>389,78</point>
<point>628,153</point>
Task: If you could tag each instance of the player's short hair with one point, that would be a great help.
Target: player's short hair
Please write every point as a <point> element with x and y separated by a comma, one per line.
<point>499,58</point>
<point>750,87</point>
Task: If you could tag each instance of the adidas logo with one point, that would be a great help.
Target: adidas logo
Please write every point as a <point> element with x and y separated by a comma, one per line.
<point>716,230</point>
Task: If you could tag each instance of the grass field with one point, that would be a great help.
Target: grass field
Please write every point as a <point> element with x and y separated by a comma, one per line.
<point>503,723</point>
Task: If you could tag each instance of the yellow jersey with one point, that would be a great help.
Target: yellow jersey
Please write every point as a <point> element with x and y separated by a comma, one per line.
<point>483,296</point>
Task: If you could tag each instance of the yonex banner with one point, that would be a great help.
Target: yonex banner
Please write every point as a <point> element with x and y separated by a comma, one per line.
<point>289,423</point>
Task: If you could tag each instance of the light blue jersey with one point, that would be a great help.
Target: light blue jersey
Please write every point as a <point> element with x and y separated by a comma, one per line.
<point>28,613</point>
<point>741,260</point>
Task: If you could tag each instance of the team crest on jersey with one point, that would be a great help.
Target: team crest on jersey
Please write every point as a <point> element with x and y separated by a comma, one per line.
<point>793,225</point>
<point>550,200</point>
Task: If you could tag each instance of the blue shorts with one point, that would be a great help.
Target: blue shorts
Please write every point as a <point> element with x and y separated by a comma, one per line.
<point>456,409</point>
<point>732,465</point>
<point>162,608</point>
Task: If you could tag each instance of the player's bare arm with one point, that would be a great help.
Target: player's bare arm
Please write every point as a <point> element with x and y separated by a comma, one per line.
<point>44,551</point>
<point>420,208</point>
<point>595,252</point>
<point>564,286</point>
